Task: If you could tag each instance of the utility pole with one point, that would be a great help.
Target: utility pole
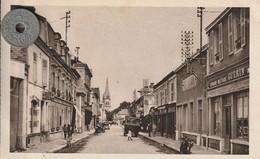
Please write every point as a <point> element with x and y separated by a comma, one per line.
<point>67,25</point>
<point>187,42</point>
<point>200,14</point>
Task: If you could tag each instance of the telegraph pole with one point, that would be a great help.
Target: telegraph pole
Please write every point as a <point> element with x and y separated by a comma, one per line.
<point>67,24</point>
<point>200,14</point>
<point>187,42</point>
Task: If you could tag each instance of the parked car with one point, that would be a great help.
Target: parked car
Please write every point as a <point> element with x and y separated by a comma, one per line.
<point>133,124</point>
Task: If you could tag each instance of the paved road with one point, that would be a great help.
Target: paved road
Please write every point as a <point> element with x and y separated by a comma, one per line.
<point>113,142</point>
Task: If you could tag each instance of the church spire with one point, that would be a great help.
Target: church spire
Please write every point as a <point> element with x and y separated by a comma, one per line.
<point>106,94</point>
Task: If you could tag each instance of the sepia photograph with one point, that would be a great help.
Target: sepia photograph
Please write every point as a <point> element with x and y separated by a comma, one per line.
<point>126,79</point>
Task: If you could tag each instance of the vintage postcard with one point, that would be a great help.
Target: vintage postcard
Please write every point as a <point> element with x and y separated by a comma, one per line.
<point>129,79</point>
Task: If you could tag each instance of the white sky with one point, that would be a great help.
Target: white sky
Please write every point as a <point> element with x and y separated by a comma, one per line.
<point>128,44</point>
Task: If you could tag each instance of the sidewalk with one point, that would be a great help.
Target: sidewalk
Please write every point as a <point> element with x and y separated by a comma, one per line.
<point>57,144</point>
<point>175,145</point>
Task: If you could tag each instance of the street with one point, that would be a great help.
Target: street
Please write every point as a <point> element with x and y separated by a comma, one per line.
<point>113,142</point>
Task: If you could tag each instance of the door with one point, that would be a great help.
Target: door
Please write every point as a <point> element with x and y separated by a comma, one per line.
<point>227,117</point>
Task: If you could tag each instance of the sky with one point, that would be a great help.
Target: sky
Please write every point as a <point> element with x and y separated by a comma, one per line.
<point>128,44</point>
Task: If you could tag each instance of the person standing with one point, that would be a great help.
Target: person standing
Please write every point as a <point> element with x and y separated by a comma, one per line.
<point>65,131</point>
<point>150,129</point>
<point>129,135</point>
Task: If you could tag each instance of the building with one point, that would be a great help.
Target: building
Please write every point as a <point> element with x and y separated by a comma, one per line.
<point>83,94</point>
<point>191,112</point>
<point>141,106</point>
<point>43,86</point>
<point>96,113</point>
<point>164,112</point>
<point>228,81</point>
<point>107,98</point>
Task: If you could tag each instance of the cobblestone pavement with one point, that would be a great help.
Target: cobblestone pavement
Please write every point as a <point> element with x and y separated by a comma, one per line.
<point>56,144</point>
<point>173,144</point>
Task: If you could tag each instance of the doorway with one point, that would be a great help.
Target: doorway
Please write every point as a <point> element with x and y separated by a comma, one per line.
<point>227,133</point>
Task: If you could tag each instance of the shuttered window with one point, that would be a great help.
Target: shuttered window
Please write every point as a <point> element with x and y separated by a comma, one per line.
<point>44,72</point>
<point>230,35</point>
<point>34,67</point>
<point>220,42</point>
<point>243,26</point>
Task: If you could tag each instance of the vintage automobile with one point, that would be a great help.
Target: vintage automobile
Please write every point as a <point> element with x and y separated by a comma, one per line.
<point>133,124</point>
<point>99,128</point>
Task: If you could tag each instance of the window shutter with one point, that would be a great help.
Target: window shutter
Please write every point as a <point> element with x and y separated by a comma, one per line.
<point>211,54</point>
<point>220,42</point>
<point>243,27</point>
<point>230,34</point>
<point>34,67</point>
<point>44,73</point>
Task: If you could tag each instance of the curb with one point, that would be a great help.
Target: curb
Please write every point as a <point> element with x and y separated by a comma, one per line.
<point>172,148</point>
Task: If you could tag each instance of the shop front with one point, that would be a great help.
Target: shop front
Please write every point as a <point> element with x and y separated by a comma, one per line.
<point>228,97</point>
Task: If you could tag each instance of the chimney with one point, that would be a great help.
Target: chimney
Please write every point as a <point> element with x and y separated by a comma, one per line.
<point>151,85</point>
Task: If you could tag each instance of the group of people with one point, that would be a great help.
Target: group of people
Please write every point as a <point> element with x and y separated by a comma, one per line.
<point>67,131</point>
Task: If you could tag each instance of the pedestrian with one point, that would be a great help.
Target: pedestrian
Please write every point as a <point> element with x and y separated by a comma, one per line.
<point>69,130</point>
<point>184,146</point>
<point>65,131</point>
<point>129,135</point>
<point>150,129</point>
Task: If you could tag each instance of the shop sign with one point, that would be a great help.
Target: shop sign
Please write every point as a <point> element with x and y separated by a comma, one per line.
<point>189,82</point>
<point>232,75</point>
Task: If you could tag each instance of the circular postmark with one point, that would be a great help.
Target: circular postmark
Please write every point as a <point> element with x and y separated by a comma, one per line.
<point>20,28</point>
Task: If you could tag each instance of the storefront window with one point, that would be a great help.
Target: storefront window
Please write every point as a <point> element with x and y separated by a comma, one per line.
<point>216,108</point>
<point>242,116</point>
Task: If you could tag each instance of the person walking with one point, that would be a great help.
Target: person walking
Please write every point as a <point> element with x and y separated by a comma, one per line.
<point>129,135</point>
<point>150,129</point>
<point>65,131</point>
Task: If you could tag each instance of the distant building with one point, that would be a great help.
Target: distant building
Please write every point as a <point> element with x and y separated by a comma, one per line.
<point>164,116</point>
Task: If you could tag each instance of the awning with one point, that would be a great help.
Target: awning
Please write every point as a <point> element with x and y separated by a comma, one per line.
<point>77,110</point>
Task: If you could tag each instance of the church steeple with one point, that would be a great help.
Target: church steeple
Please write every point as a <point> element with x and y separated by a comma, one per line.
<point>106,97</point>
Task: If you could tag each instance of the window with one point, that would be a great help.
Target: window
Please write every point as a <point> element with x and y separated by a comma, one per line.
<point>237,29</point>
<point>162,97</point>
<point>53,79</point>
<point>230,34</point>
<point>191,117</point>
<point>34,67</point>
<point>172,91</point>
<point>243,26</point>
<point>44,72</point>
<point>157,99</point>
<point>216,45</point>
<point>216,115</point>
<point>165,93</point>
<point>242,115</point>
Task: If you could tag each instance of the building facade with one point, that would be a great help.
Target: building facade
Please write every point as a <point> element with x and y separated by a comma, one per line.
<point>84,94</point>
<point>191,113</point>
<point>43,85</point>
<point>228,81</point>
<point>165,93</point>
<point>95,96</point>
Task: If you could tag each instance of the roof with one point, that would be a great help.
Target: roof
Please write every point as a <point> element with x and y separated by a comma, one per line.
<point>164,79</point>
<point>215,21</point>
